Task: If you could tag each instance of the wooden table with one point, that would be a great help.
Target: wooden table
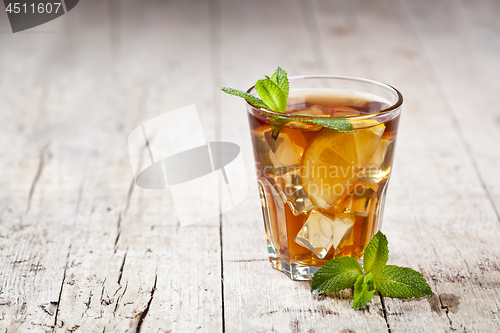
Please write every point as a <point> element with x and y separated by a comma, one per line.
<point>82,249</point>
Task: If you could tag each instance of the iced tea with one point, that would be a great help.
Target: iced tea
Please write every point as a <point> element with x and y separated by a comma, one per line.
<point>322,191</point>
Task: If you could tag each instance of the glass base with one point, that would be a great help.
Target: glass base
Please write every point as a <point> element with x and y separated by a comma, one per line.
<point>294,271</point>
<point>297,272</point>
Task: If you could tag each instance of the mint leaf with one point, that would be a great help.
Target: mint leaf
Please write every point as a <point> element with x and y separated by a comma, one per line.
<point>281,79</point>
<point>364,288</point>
<point>391,281</point>
<point>376,254</point>
<point>272,95</point>
<point>257,102</point>
<point>336,275</point>
<point>339,124</point>
<point>273,92</point>
<point>401,282</point>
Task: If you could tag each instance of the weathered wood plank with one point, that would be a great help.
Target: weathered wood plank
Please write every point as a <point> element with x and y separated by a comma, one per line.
<point>438,217</point>
<point>77,241</point>
<point>257,297</point>
<point>471,36</point>
<point>457,54</point>
<point>364,27</point>
<point>39,186</point>
<point>151,275</point>
<point>115,258</point>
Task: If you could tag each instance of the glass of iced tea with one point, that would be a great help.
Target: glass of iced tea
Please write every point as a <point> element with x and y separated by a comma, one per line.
<point>322,191</point>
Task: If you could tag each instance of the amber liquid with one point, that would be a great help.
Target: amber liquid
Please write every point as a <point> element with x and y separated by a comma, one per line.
<point>293,140</point>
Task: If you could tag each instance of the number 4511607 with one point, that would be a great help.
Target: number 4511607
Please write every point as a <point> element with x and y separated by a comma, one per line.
<point>41,8</point>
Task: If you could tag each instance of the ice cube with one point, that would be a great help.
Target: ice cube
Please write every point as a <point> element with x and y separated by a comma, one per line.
<point>287,181</point>
<point>380,165</point>
<point>275,153</point>
<point>343,234</point>
<point>316,234</point>
<point>321,232</point>
<point>289,186</point>
<point>359,201</point>
<point>299,202</point>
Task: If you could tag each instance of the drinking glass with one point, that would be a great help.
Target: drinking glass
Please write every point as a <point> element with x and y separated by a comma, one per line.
<point>323,168</point>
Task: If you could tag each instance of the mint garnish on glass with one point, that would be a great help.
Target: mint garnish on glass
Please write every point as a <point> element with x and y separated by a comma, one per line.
<point>388,280</point>
<point>273,92</point>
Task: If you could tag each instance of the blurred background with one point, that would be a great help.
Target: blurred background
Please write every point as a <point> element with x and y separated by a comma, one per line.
<point>117,63</point>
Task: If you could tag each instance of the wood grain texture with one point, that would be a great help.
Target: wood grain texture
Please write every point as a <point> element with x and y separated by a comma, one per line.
<point>98,253</point>
<point>438,217</point>
<point>84,250</point>
<point>256,297</point>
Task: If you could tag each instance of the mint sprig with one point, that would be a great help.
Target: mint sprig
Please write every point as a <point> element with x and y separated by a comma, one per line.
<point>337,123</point>
<point>364,288</point>
<point>281,79</point>
<point>273,92</point>
<point>257,102</point>
<point>336,275</point>
<point>376,253</point>
<point>272,95</point>
<point>388,280</point>
<point>401,282</point>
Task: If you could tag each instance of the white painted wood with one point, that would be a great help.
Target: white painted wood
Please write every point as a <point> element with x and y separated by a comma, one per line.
<point>39,188</point>
<point>113,257</point>
<point>258,298</point>
<point>438,218</point>
<point>77,241</point>
<point>468,293</point>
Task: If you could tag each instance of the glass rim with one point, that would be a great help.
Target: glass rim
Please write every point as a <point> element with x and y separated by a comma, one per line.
<point>394,107</point>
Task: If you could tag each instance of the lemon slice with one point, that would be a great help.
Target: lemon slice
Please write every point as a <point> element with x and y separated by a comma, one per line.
<point>332,162</point>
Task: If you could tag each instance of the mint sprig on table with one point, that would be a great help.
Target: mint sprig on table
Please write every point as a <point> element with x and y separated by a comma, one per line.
<point>388,280</point>
<point>273,92</point>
